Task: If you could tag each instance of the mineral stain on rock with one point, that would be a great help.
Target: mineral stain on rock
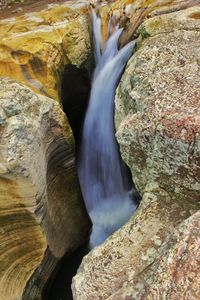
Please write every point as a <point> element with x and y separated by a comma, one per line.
<point>36,150</point>
<point>157,108</point>
<point>156,254</point>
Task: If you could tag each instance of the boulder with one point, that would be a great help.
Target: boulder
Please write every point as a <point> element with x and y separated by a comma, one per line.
<point>157,121</point>
<point>157,107</point>
<point>129,251</point>
<point>176,274</point>
<point>131,13</point>
<point>42,215</point>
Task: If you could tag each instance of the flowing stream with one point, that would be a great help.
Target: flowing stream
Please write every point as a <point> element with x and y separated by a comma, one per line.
<point>102,174</point>
<point>105,180</point>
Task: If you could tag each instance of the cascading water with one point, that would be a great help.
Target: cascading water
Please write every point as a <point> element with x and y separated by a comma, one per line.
<point>102,174</point>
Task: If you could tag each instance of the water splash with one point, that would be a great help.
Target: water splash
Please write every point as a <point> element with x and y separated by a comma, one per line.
<point>103,176</point>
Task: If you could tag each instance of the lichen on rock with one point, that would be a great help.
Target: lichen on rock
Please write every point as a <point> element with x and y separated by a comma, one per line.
<point>157,107</point>
<point>157,121</point>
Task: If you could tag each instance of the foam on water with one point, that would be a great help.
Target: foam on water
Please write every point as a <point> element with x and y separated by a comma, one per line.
<point>102,174</point>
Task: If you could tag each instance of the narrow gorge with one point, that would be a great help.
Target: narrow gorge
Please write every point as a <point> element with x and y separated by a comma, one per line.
<point>103,176</point>
<point>99,150</point>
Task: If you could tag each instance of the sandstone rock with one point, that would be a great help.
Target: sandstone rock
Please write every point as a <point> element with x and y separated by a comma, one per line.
<point>157,120</point>
<point>35,47</point>
<point>131,13</point>
<point>42,216</point>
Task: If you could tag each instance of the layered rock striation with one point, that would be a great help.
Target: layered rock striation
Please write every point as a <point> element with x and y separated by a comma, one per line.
<point>42,214</point>
<point>131,13</point>
<point>35,47</point>
<point>157,119</point>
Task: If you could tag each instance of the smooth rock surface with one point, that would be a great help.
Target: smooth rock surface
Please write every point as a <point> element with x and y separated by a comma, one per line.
<point>157,120</point>
<point>42,215</point>
<point>35,47</point>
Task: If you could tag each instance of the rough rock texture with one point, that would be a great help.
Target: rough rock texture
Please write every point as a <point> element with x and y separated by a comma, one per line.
<point>42,216</point>
<point>157,120</point>
<point>35,46</point>
<point>158,100</point>
<point>176,274</point>
<point>131,13</point>
<point>129,251</point>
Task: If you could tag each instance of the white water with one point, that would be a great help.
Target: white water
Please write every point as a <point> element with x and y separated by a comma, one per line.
<point>102,175</point>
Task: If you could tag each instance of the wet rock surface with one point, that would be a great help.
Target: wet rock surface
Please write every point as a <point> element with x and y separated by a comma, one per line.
<point>157,120</point>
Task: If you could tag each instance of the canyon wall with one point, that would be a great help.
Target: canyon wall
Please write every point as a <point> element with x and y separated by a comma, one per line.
<point>42,214</point>
<point>157,119</point>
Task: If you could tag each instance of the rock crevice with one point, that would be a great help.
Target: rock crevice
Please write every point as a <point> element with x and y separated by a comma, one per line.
<point>40,201</point>
<point>157,121</point>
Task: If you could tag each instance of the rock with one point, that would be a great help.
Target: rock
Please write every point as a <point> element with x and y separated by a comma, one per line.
<point>42,215</point>
<point>130,14</point>
<point>129,251</point>
<point>19,9</point>
<point>157,120</point>
<point>176,274</point>
<point>35,47</point>
<point>157,107</point>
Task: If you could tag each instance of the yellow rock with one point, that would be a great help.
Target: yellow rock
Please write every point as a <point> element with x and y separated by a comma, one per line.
<point>131,13</point>
<point>35,47</point>
<point>22,243</point>
<point>42,216</point>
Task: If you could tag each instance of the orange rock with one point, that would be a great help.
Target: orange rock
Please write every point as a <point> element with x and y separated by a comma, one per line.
<point>35,46</point>
<point>42,216</point>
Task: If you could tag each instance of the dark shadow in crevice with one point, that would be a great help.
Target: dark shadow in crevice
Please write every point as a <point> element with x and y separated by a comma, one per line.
<point>59,285</point>
<point>75,95</point>
<point>75,91</point>
<point>130,186</point>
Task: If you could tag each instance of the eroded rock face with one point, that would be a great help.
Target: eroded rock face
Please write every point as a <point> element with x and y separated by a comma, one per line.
<point>176,274</point>
<point>42,215</point>
<point>157,120</point>
<point>131,13</point>
<point>35,47</point>
<point>129,251</point>
<point>157,107</point>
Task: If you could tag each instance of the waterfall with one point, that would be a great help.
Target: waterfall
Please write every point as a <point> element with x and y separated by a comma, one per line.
<point>102,174</point>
